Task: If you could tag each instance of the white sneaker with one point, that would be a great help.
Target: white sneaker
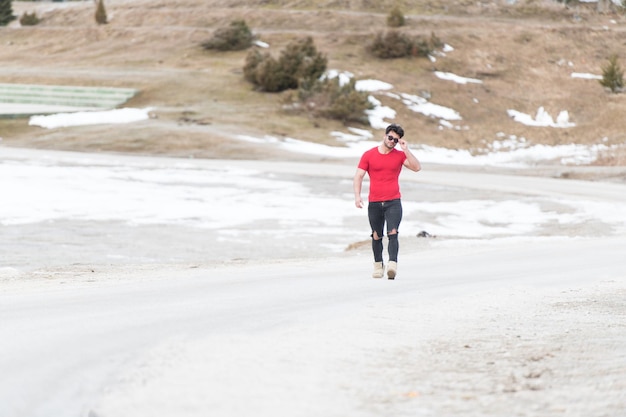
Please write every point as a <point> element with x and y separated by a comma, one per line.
<point>378,270</point>
<point>392,269</point>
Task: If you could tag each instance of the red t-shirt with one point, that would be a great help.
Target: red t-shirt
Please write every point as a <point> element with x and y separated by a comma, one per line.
<point>383,170</point>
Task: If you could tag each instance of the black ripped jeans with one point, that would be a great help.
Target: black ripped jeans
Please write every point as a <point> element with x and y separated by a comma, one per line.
<point>379,213</point>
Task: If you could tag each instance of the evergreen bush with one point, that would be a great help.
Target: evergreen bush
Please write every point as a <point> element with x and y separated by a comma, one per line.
<point>253,60</point>
<point>235,37</point>
<point>29,19</point>
<point>299,66</point>
<point>391,44</point>
<point>6,12</point>
<point>301,63</point>
<point>613,75</point>
<point>101,14</point>
<point>395,18</point>
<point>271,77</point>
<point>331,100</point>
<point>396,44</point>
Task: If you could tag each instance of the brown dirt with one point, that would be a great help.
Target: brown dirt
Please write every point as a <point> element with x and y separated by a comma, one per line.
<point>524,53</point>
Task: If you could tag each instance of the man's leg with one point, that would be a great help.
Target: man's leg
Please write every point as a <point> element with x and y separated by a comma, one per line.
<point>393,216</point>
<point>376,218</point>
<point>394,246</point>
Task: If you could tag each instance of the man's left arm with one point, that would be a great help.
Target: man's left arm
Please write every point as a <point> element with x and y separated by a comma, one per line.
<point>411,161</point>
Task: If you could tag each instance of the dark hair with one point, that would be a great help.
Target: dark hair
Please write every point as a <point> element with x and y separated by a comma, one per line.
<point>396,128</point>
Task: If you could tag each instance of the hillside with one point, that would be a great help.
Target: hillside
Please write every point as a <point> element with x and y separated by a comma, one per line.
<point>524,53</point>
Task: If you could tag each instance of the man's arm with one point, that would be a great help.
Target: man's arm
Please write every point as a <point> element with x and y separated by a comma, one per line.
<point>357,183</point>
<point>411,161</point>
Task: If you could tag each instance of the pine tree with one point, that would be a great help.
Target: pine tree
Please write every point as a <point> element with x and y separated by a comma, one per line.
<point>6,12</point>
<point>613,75</point>
<point>101,14</point>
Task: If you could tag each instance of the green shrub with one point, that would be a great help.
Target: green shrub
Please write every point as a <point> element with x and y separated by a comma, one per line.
<point>302,63</point>
<point>235,37</point>
<point>391,44</point>
<point>328,99</point>
<point>299,66</point>
<point>395,18</point>
<point>265,72</point>
<point>29,19</point>
<point>395,44</point>
<point>253,60</point>
<point>613,75</point>
<point>345,103</point>
<point>6,12</point>
<point>271,77</point>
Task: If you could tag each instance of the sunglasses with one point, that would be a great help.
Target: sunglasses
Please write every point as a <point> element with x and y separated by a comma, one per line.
<point>392,139</point>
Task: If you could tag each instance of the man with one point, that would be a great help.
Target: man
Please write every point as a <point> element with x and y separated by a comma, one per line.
<point>383,165</point>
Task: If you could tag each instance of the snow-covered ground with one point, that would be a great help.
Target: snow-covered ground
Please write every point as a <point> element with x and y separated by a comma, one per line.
<point>121,209</point>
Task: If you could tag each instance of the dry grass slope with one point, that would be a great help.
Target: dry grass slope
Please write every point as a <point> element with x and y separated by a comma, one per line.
<point>524,53</point>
